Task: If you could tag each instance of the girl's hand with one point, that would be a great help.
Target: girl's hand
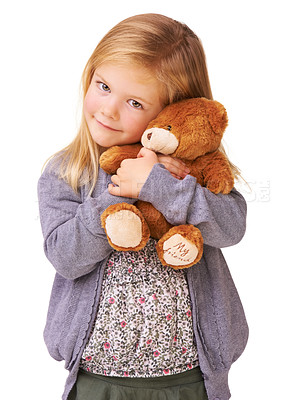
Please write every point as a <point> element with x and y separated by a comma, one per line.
<point>175,166</point>
<point>132,174</point>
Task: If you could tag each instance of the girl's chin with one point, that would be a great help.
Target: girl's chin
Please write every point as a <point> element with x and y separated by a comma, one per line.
<point>105,142</point>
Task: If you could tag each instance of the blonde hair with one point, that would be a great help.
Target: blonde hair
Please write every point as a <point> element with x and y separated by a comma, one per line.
<point>169,49</point>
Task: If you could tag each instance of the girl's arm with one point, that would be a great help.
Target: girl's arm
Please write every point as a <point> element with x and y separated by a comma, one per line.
<point>74,240</point>
<point>220,218</point>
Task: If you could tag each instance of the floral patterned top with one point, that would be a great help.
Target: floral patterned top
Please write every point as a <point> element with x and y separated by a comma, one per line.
<point>143,326</point>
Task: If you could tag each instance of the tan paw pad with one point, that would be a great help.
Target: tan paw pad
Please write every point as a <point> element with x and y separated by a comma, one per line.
<point>124,228</point>
<point>179,251</point>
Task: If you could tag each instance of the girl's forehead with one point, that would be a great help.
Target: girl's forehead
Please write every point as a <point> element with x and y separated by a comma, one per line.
<point>134,70</point>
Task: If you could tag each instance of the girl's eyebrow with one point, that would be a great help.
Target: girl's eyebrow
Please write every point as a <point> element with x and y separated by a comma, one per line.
<point>142,100</point>
<point>133,97</point>
<point>99,76</point>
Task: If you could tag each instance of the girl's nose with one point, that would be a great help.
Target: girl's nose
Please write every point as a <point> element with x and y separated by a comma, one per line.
<point>110,109</point>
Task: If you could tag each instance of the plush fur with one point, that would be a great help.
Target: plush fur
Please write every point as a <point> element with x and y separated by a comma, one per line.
<point>191,130</point>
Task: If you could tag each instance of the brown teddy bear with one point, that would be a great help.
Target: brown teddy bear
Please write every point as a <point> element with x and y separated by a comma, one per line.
<point>190,130</point>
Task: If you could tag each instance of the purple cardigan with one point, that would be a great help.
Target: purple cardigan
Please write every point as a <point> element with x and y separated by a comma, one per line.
<point>77,246</point>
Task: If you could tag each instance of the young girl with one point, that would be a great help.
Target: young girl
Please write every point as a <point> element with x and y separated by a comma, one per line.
<point>127,327</point>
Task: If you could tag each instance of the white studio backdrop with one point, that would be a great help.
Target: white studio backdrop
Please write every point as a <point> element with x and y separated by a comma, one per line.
<point>255,55</point>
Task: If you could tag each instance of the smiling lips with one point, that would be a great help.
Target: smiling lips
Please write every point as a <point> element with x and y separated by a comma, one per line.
<point>106,126</point>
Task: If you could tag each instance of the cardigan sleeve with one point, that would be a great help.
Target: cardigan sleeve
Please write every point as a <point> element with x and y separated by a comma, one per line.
<point>74,241</point>
<point>220,218</point>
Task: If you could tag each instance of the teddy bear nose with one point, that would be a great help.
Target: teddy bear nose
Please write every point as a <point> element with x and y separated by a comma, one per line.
<point>149,135</point>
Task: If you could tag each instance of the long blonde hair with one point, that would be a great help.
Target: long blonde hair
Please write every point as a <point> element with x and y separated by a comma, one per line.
<point>168,49</point>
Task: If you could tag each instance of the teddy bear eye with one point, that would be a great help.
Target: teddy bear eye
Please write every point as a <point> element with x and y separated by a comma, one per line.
<point>169,127</point>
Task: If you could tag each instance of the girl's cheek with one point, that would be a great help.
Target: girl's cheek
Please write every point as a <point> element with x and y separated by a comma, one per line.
<point>138,123</point>
<point>137,127</point>
<point>90,103</point>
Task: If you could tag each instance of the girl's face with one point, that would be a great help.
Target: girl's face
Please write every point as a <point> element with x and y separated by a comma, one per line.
<point>120,102</point>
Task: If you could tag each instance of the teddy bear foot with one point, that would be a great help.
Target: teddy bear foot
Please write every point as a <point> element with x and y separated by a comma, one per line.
<point>181,247</point>
<point>125,227</point>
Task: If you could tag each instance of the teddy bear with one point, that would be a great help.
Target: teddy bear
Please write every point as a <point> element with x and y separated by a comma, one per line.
<point>190,130</point>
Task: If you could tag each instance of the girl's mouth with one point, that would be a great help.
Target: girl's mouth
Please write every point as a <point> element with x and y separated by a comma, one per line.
<point>106,126</point>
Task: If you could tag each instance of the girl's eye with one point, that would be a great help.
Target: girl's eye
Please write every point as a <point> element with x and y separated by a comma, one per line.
<point>135,104</point>
<point>104,87</point>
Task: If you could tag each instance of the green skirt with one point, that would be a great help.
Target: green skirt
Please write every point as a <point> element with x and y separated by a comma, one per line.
<point>185,386</point>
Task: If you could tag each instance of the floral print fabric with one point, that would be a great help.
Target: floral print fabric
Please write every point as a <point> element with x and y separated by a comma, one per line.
<point>143,326</point>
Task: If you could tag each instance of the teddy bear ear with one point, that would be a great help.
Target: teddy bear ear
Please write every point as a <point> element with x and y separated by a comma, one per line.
<point>218,117</point>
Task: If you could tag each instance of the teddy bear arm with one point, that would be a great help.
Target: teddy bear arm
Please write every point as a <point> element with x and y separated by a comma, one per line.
<point>111,159</point>
<point>216,172</point>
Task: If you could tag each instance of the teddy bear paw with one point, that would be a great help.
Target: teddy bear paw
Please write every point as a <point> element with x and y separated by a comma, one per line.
<point>222,184</point>
<point>180,247</point>
<point>125,227</point>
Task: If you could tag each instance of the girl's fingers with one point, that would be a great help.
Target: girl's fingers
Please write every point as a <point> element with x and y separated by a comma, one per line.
<point>176,176</point>
<point>175,166</point>
<point>115,179</point>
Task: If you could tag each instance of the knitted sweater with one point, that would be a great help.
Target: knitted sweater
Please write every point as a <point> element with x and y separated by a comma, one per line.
<point>77,246</point>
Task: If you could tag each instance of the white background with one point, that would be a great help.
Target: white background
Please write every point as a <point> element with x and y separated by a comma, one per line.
<point>255,54</point>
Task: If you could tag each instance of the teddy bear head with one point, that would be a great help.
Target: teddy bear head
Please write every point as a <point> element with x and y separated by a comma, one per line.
<point>187,129</point>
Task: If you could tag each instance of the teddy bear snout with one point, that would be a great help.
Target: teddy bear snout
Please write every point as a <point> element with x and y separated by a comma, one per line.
<point>159,140</point>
